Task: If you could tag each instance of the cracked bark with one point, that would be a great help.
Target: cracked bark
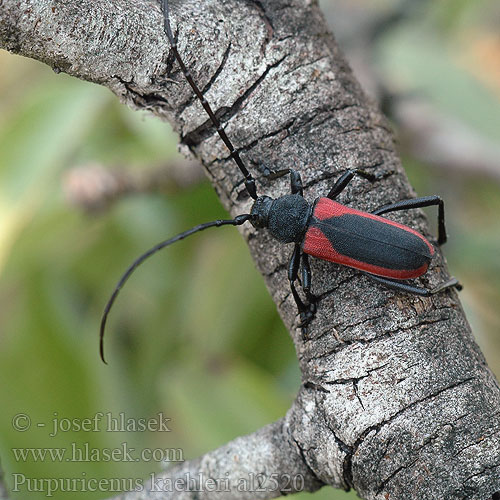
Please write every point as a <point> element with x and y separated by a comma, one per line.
<point>396,399</point>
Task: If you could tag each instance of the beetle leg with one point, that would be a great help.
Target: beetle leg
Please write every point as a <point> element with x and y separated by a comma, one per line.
<point>425,201</point>
<point>295,179</point>
<point>415,290</point>
<point>296,183</point>
<point>344,180</point>
<point>341,184</point>
<point>293,271</point>
<point>306,311</point>
<point>306,282</point>
<point>269,174</point>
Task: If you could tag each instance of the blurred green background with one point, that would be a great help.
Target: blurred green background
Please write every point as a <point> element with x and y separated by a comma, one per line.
<point>195,334</point>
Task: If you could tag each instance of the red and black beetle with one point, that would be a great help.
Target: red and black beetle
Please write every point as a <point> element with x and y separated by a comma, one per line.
<point>384,250</point>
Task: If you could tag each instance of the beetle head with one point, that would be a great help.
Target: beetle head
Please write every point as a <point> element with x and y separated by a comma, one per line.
<point>286,217</point>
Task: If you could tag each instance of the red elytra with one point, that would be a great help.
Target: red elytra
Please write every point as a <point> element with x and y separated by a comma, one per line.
<point>367,242</point>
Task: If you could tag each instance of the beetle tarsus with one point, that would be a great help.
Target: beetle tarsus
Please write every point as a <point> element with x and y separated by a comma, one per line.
<point>451,283</point>
<point>305,318</point>
<point>402,286</point>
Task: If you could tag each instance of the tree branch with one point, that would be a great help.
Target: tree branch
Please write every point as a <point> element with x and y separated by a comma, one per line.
<point>265,464</point>
<point>396,400</point>
<point>93,187</point>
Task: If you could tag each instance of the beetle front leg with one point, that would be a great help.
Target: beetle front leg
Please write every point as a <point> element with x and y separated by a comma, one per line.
<point>306,311</point>
<point>306,282</point>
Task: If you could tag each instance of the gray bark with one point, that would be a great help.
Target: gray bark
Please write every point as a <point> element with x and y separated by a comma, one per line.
<point>396,400</point>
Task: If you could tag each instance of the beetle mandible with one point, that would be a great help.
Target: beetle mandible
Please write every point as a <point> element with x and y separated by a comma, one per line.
<point>384,250</point>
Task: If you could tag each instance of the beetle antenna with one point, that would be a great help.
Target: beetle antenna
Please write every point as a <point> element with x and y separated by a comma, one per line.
<point>237,221</point>
<point>249,180</point>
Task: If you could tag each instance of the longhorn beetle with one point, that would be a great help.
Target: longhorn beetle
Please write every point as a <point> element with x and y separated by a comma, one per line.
<point>382,249</point>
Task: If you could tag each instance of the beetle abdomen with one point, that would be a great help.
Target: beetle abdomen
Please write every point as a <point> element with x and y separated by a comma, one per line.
<point>367,242</point>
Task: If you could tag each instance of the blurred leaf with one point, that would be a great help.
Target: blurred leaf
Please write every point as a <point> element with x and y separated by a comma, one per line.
<point>34,142</point>
<point>410,57</point>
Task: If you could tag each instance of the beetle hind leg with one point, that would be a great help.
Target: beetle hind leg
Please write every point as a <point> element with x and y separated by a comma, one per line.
<point>425,201</point>
<point>415,290</point>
